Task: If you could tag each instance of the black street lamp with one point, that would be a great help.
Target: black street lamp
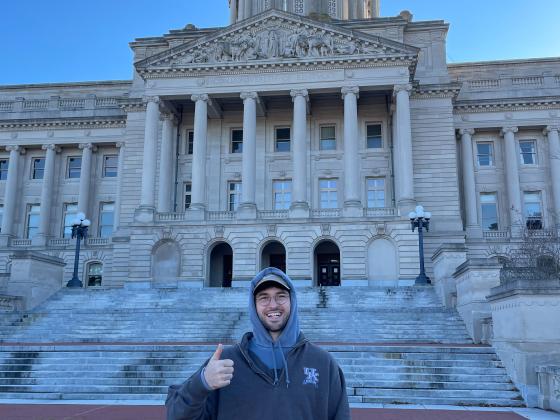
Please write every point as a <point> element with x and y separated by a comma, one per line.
<point>421,219</point>
<point>79,231</point>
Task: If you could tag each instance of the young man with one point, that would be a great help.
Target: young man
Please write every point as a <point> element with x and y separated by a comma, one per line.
<point>273,373</point>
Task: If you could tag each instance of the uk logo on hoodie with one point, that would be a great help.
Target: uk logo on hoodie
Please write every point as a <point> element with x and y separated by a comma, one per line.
<point>311,376</point>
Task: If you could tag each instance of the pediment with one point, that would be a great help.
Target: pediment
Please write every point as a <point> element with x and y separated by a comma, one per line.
<point>276,39</point>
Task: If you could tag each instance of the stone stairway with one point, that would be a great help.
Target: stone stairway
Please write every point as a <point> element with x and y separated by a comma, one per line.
<point>394,345</point>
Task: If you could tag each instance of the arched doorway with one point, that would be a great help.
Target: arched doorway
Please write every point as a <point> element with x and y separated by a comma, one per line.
<point>382,261</point>
<point>221,265</point>
<point>94,274</point>
<point>166,262</point>
<point>273,255</point>
<point>326,257</point>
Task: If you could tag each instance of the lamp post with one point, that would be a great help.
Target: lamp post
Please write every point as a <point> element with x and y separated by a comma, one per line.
<point>79,231</point>
<point>421,219</point>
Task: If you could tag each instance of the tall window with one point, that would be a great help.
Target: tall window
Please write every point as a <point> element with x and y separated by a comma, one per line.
<point>3,169</point>
<point>528,150</point>
<point>485,154</point>
<point>234,195</point>
<point>374,138</point>
<point>1,215</point>
<point>70,212</point>
<point>327,140</point>
<point>533,209</point>
<point>110,166</point>
<point>189,147</point>
<point>282,139</point>
<point>74,167</point>
<point>236,141</point>
<point>328,193</point>
<point>94,274</point>
<point>376,192</point>
<point>106,219</point>
<point>489,211</point>
<point>37,168</point>
<point>32,225</point>
<point>187,194</point>
<point>282,191</point>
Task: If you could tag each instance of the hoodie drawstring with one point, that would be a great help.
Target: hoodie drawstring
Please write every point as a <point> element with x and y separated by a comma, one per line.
<point>274,365</point>
<point>285,368</point>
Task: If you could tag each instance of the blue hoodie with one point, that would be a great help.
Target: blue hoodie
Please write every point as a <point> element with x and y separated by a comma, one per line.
<point>273,353</point>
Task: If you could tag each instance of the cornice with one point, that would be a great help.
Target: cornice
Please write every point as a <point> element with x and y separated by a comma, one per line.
<point>447,90</point>
<point>61,124</point>
<point>132,105</point>
<point>521,104</point>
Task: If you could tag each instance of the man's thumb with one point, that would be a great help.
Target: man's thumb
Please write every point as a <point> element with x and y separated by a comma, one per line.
<point>218,353</point>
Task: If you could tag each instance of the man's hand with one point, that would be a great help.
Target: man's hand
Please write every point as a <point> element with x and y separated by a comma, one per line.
<point>218,373</point>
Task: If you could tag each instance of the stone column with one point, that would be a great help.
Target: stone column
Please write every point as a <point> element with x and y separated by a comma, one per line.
<point>120,166</point>
<point>247,207</point>
<point>10,194</point>
<point>299,206</point>
<point>554,157</point>
<point>469,184</point>
<point>166,165</point>
<point>512,180</point>
<point>150,154</point>
<point>352,201</point>
<point>46,195</point>
<point>198,203</point>
<point>232,11</point>
<point>85,179</point>
<point>403,161</point>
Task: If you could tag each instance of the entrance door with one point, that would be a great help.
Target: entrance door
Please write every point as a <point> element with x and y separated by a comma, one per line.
<point>329,269</point>
<point>227,270</point>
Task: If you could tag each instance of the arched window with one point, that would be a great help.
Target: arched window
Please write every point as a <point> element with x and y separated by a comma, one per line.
<point>94,274</point>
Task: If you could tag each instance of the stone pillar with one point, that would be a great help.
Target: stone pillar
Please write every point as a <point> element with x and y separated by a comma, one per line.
<point>512,180</point>
<point>247,207</point>
<point>469,184</point>
<point>403,161</point>
<point>198,203</point>
<point>120,166</point>
<point>166,165</point>
<point>10,194</point>
<point>232,11</point>
<point>150,154</point>
<point>352,201</point>
<point>85,179</point>
<point>46,195</point>
<point>554,157</point>
<point>300,205</point>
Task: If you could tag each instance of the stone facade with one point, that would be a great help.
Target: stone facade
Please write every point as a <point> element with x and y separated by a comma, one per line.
<point>283,139</point>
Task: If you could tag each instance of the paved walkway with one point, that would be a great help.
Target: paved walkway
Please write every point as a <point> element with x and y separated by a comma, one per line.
<point>71,411</point>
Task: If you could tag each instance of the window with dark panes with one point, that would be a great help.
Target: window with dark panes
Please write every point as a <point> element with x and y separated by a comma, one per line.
<point>532,204</point>
<point>282,141</point>
<point>234,195</point>
<point>188,195</point>
<point>190,142</point>
<point>327,140</point>
<point>38,168</point>
<point>74,167</point>
<point>237,141</point>
<point>110,166</point>
<point>94,274</point>
<point>4,169</point>
<point>485,154</point>
<point>374,139</point>
<point>528,150</point>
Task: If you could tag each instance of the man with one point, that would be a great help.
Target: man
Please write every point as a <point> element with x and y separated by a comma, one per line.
<point>273,373</point>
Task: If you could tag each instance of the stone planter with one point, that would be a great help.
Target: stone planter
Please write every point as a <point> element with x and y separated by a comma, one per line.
<point>549,387</point>
<point>446,259</point>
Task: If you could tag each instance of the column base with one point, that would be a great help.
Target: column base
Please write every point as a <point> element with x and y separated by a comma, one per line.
<point>5,240</point>
<point>474,232</point>
<point>352,208</point>
<point>196,212</point>
<point>246,211</point>
<point>144,214</point>
<point>40,240</point>
<point>299,210</point>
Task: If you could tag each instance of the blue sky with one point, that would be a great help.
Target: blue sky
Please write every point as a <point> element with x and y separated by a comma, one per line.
<point>81,40</point>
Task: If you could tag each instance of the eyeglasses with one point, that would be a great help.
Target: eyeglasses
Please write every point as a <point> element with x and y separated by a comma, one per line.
<point>279,299</point>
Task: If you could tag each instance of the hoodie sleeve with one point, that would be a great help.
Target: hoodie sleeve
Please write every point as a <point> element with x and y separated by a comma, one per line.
<point>191,400</point>
<point>338,400</point>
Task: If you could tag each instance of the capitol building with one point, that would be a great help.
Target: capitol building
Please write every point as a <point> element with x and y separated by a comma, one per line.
<point>300,136</point>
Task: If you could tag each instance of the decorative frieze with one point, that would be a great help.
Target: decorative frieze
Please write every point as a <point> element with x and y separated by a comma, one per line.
<point>34,125</point>
<point>524,104</point>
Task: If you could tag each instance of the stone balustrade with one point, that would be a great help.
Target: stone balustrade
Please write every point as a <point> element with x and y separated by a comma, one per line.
<point>91,102</point>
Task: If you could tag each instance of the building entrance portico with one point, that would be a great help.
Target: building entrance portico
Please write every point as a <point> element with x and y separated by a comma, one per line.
<point>327,263</point>
<point>220,265</point>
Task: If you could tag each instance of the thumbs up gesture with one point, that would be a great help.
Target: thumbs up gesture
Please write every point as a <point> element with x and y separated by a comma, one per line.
<point>218,373</point>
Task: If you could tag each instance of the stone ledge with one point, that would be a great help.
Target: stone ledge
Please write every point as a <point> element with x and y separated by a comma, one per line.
<point>525,287</point>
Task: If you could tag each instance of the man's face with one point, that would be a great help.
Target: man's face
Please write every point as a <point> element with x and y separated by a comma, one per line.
<point>273,308</point>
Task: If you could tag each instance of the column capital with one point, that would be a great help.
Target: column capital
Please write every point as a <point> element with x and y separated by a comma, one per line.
<point>465,131</point>
<point>200,97</point>
<point>154,99</point>
<point>299,92</point>
<point>91,146</point>
<point>551,127</point>
<point>506,130</point>
<point>407,87</point>
<point>51,146</point>
<point>350,89</point>
<point>249,95</point>
<point>120,145</point>
<point>15,148</point>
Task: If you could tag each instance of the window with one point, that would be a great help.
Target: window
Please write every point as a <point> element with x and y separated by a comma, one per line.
<point>110,166</point>
<point>37,168</point>
<point>327,137</point>
<point>282,140</point>
<point>187,189</point>
<point>528,149</point>
<point>282,191</point>
<point>374,139</point>
<point>234,195</point>
<point>375,192</point>
<point>190,142</point>
<point>33,215</point>
<point>106,219</point>
<point>533,209</point>
<point>70,212</point>
<point>3,169</point>
<point>74,167</point>
<point>485,154</point>
<point>1,215</point>
<point>94,274</point>
<point>237,141</point>
<point>489,211</point>
<point>328,194</point>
